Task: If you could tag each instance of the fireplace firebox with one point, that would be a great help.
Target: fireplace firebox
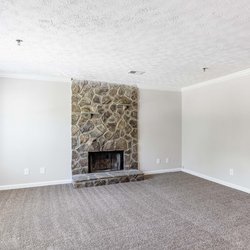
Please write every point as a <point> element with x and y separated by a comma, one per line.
<point>105,161</point>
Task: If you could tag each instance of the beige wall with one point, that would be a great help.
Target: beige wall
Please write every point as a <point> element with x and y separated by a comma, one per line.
<point>159,129</point>
<point>216,130</point>
<point>34,131</point>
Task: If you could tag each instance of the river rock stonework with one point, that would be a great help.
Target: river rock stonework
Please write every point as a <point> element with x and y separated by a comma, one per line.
<point>104,117</point>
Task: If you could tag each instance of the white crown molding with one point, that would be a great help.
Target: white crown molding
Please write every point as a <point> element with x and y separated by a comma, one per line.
<point>161,88</point>
<point>161,171</point>
<point>218,181</point>
<point>34,184</point>
<point>36,77</point>
<point>68,80</point>
<point>217,80</point>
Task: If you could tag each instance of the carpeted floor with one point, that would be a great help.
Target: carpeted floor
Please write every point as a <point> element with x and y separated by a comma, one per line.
<point>168,211</point>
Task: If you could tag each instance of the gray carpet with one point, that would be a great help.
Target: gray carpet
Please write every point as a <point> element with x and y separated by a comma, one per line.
<point>169,211</point>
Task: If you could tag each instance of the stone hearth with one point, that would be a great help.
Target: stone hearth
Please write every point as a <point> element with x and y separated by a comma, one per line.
<point>107,178</point>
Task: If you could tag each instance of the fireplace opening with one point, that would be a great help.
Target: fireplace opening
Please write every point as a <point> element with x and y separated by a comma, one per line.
<point>105,161</point>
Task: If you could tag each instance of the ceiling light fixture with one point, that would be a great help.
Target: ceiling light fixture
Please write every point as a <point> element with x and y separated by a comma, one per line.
<point>134,72</point>
<point>49,21</point>
<point>19,41</point>
<point>205,69</point>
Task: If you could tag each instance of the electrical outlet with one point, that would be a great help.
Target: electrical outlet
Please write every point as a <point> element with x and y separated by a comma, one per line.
<point>231,171</point>
<point>158,161</point>
<point>26,171</point>
<point>42,170</point>
<point>166,160</point>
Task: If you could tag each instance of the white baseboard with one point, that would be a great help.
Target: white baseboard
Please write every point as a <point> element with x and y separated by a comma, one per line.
<point>161,171</point>
<point>34,184</point>
<point>146,172</point>
<point>224,183</point>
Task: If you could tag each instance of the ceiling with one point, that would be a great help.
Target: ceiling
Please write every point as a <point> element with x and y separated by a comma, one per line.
<point>105,39</point>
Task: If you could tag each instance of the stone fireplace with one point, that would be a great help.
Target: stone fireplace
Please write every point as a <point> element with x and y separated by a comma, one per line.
<point>104,119</point>
<point>105,161</point>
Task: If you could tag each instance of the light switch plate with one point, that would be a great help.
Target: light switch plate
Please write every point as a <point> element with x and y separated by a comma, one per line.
<point>42,170</point>
<point>26,171</point>
<point>231,171</point>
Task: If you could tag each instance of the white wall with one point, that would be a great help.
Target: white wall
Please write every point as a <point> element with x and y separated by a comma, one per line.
<point>159,129</point>
<point>35,119</point>
<point>216,130</point>
<point>35,130</point>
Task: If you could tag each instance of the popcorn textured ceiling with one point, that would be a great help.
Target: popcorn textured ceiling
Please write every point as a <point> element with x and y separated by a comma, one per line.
<point>103,40</point>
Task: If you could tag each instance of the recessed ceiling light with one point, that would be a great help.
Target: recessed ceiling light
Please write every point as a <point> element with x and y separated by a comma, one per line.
<point>134,72</point>
<point>45,21</point>
<point>19,41</point>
